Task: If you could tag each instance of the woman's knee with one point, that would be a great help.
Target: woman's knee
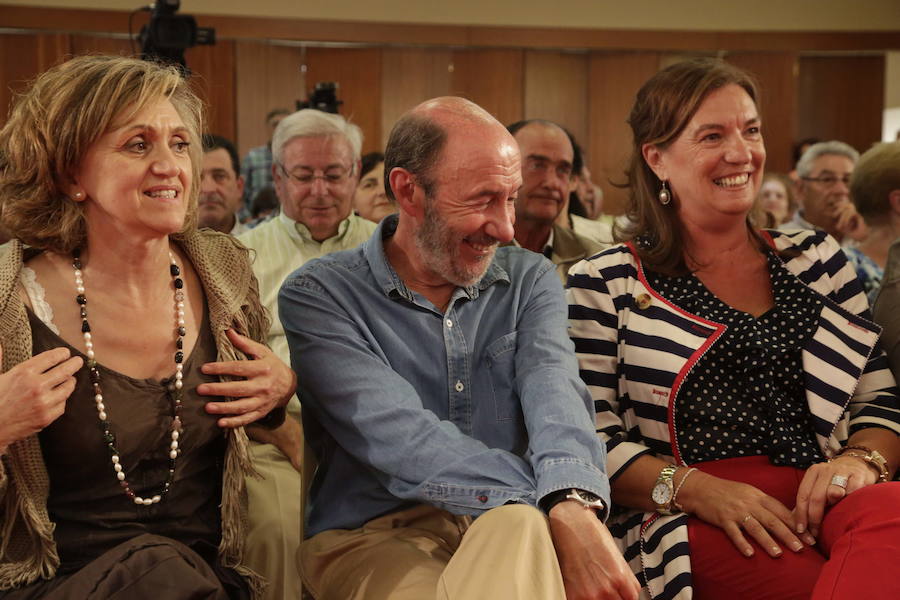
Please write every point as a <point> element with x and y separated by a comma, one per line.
<point>874,507</point>
<point>879,501</point>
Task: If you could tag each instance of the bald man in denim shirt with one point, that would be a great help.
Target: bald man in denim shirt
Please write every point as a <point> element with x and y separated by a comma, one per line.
<point>457,451</point>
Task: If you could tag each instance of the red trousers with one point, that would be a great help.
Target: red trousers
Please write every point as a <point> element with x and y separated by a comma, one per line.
<point>857,554</point>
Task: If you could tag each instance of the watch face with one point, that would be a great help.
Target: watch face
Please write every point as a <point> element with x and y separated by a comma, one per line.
<point>661,493</point>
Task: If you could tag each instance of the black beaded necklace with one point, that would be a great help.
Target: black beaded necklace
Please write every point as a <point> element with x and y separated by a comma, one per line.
<point>109,438</point>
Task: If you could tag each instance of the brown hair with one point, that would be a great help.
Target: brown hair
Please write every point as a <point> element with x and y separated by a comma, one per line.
<point>875,176</point>
<point>662,109</point>
<point>54,122</point>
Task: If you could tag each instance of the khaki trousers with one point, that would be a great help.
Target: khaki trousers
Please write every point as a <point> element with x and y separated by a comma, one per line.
<point>425,552</point>
<point>273,521</point>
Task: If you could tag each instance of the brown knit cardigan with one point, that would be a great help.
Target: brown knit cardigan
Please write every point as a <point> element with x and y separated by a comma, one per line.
<point>27,548</point>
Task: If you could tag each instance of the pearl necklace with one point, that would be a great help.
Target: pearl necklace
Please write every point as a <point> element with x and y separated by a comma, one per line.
<point>175,429</point>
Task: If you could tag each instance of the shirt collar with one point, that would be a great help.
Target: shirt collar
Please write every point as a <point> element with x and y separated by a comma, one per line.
<point>799,221</point>
<point>239,227</point>
<point>300,232</point>
<point>548,247</point>
<point>391,284</point>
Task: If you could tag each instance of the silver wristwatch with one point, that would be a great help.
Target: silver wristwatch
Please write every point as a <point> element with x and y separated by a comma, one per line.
<point>587,500</point>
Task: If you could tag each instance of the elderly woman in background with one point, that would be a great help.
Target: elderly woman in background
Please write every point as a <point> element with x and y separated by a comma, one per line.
<point>875,190</point>
<point>123,330</point>
<point>370,200</point>
<point>776,198</point>
<point>746,407</point>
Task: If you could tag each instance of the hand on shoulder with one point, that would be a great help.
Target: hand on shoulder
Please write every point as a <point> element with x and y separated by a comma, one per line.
<point>263,383</point>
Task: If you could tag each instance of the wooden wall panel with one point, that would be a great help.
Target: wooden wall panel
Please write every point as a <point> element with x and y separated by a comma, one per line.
<point>244,27</point>
<point>842,98</point>
<point>493,79</point>
<point>94,44</point>
<point>267,76</point>
<point>777,76</point>
<point>358,74</point>
<point>614,80</point>
<point>213,71</point>
<point>411,76</point>
<point>22,58</point>
<point>213,67</point>
<point>556,88</point>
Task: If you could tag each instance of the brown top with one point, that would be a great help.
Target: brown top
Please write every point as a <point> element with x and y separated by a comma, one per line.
<point>86,502</point>
<point>27,545</point>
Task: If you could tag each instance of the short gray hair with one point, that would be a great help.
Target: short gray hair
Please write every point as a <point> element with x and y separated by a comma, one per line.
<point>805,164</point>
<point>310,122</point>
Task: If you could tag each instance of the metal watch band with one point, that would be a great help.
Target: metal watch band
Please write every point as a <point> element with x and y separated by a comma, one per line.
<point>666,478</point>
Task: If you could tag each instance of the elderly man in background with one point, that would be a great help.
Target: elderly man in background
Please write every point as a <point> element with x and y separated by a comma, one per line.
<point>547,168</point>
<point>315,168</point>
<point>823,191</point>
<point>221,186</point>
<point>441,393</point>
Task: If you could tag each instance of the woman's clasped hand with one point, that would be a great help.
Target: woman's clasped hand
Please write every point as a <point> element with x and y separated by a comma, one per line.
<point>745,513</point>
<point>33,393</point>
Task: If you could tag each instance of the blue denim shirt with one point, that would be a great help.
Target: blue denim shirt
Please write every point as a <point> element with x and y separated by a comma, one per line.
<point>465,410</point>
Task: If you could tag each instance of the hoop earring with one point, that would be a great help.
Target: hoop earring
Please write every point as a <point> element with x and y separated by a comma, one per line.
<point>664,195</point>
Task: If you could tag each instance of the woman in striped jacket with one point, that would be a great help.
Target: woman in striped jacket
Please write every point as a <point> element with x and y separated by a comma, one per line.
<point>745,403</point>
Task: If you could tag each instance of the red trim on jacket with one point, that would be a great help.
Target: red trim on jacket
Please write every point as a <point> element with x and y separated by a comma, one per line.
<point>679,379</point>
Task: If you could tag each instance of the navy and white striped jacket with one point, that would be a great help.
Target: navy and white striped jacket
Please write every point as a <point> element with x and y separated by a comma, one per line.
<point>635,349</point>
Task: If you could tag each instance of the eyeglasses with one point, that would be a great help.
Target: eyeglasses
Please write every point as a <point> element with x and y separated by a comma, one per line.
<point>306,177</point>
<point>829,180</point>
<point>540,165</point>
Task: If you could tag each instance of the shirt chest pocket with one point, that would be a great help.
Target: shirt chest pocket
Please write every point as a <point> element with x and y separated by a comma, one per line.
<point>501,361</point>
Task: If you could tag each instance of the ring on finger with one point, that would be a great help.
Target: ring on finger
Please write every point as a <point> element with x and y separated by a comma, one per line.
<point>840,481</point>
<point>745,519</point>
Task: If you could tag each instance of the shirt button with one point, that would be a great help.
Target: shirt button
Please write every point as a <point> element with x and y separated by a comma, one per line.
<point>449,324</point>
<point>459,386</point>
<point>643,301</point>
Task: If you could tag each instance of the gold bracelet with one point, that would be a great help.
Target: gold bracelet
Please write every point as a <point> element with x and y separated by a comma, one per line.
<point>871,457</point>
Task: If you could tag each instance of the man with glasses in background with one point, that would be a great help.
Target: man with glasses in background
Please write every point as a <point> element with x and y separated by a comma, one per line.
<point>547,178</point>
<point>823,191</point>
<point>316,159</point>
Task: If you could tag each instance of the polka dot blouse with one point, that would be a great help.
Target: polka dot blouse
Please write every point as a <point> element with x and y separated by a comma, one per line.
<point>745,395</point>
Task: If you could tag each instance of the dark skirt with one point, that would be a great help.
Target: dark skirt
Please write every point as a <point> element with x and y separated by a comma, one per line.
<point>147,567</point>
